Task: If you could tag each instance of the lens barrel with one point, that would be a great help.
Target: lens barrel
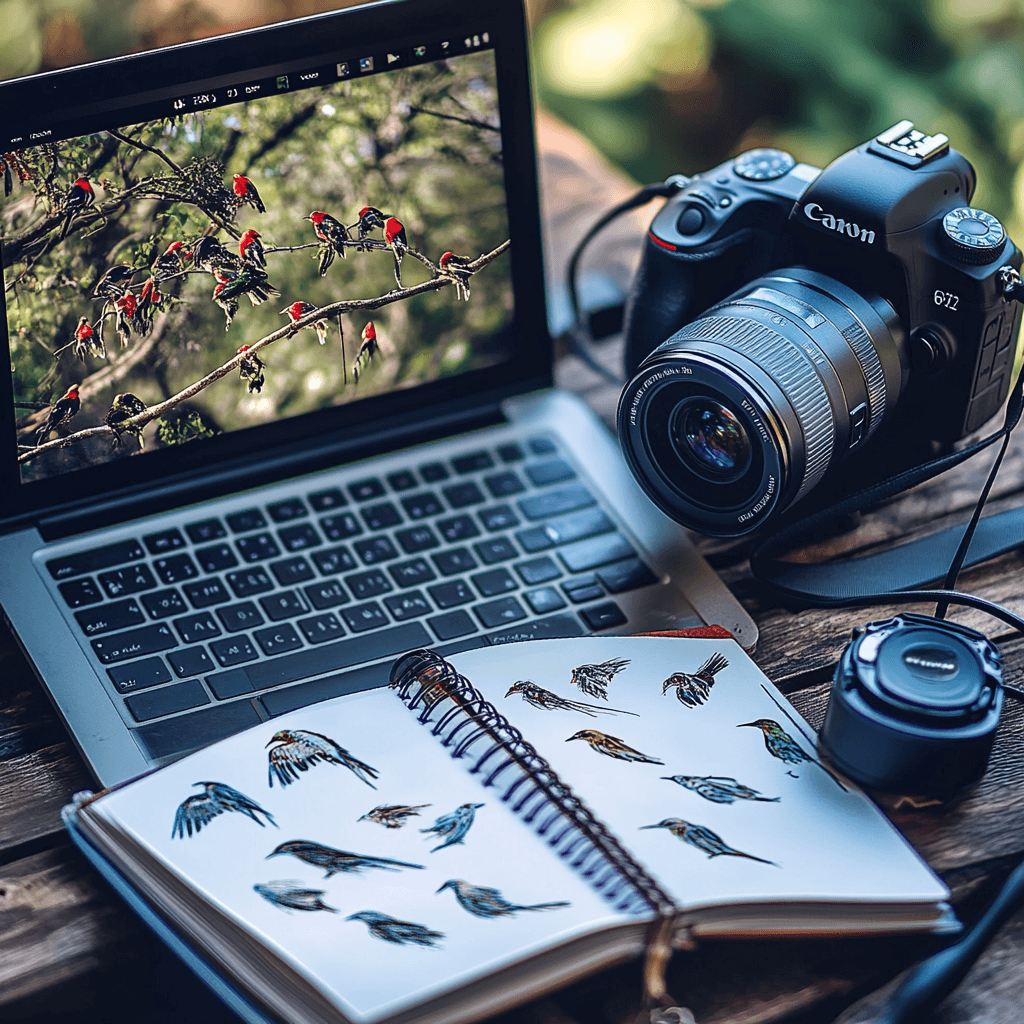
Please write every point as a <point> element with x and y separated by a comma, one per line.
<point>741,412</point>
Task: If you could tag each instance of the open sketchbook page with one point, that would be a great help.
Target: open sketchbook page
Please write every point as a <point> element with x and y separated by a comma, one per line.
<point>742,811</point>
<point>396,871</point>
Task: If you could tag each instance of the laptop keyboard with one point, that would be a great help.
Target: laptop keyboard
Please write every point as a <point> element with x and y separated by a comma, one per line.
<point>212,627</point>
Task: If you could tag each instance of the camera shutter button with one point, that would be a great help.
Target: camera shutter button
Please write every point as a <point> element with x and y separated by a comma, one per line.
<point>691,220</point>
<point>973,235</point>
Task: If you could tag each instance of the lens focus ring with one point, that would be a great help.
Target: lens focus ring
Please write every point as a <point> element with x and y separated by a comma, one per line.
<point>792,371</point>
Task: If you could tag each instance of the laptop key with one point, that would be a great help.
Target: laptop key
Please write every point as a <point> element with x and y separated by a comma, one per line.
<point>538,570</point>
<point>449,595</point>
<point>285,605</point>
<point>326,594</point>
<point>175,569</point>
<point>320,628</point>
<point>510,453</point>
<point>197,627</point>
<point>603,616</point>
<point>374,550</point>
<point>161,543</point>
<point>278,639</point>
<point>461,495</point>
<point>501,485</point>
<point>542,446</point>
<point>233,650</point>
<point>498,613</point>
<point>116,615</point>
<point>407,606</point>
<point>473,462</point>
<point>497,581</point>
<point>544,599</point>
<point>205,530</point>
<point>168,701</point>
<point>403,480</point>
<point>498,549</point>
<point>232,683</point>
<point>552,472</point>
<point>286,511</point>
<point>630,574</point>
<point>77,593</point>
<point>189,661</point>
<point>365,490</point>
<point>554,503</point>
<point>290,571</point>
<point>411,573</point>
<point>420,506</point>
<point>341,526</point>
<point>162,603</point>
<point>380,517</point>
<point>331,561</point>
<point>237,617</point>
<point>243,522</point>
<point>419,538</point>
<point>176,735</point>
<point>132,580</point>
<point>247,582</point>
<point>257,547</point>
<point>369,677</point>
<point>451,562</point>
<point>137,675</point>
<point>588,523</point>
<point>134,642</point>
<point>362,617</point>
<point>500,517</point>
<point>540,629</point>
<point>433,471</point>
<point>97,558</point>
<point>216,558</point>
<point>588,554</point>
<point>452,625</point>
<point>458,528</point>
<point>368,584</point>
<point>322,501</point>
<point>206,593</point>
<point>299,538</point>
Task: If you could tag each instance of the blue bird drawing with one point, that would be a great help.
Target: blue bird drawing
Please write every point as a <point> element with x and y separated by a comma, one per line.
<point>719,789</point>
<point>483,901</point>
<point>390,929</point>
<point>299,749</point>
<point>694,688</point>
<point>704,839</point>
<point>200,809</point>
<point>453,827</point>
<point>292,895</point>
<point>336,861</point>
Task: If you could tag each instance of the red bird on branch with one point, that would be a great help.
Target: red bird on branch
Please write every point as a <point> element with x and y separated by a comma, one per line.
<point>297,310</point>
<point>369,349</point>
<point>245,192</point>
<point>87,340</point>
<point>79,197</point>
<point>113,283</point>
<point>369,218</point>
<point>251,369</point>
<point>454,266</point>
<point>332,235</point>
<point>126,307</point>
<point>394,235</point>
<point>250,248</point>
<point>149,303</point>
<point>250,281</point>
<point>61,413</point>
<point>170,264</point>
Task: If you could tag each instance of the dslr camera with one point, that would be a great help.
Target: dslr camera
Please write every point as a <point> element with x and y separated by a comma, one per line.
<point>785,318</point>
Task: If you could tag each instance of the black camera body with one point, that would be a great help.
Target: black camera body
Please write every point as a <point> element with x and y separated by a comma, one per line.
<point>802,309</point>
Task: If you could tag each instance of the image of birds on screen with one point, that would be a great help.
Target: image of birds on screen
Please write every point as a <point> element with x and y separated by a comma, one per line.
<point>545,700</point>
<point>612,746</point>
<point>719,789</point>
<point>453,827</point>
<point>290,894</point>
<point>393,815</point>
<point>781,745</point>
<point>703,839</point>
<point>593,680</point>
<point>484,901</point>
<point>298,750</point>
<point>200,809</point>
<point>693,689</point>
<point>336,862</point>
<point>390,929</point>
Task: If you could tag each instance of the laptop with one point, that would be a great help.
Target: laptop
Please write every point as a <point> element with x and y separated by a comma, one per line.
<point>280,402</point>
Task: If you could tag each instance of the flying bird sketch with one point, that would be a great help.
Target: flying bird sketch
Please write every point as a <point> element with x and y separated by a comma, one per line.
<point>719,789</point>
<point>693,690</point>
<point>292,895</point>
<point>453,827</point>
<point>612,746</point>
<point>337,861</point>
<point>593,680</point>
<point>545,700</point>
<point>298,750</point>
<point>483,901</point>
<point>704,839</point>
<point>392,815</point>
<point>200,809</point>
<point>390,929</point>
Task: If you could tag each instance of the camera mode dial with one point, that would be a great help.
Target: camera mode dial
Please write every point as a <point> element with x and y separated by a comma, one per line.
<point>973,235</point>
<point>763,164</point>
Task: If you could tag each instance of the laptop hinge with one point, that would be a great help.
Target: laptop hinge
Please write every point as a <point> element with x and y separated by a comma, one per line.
<point>292,460</point>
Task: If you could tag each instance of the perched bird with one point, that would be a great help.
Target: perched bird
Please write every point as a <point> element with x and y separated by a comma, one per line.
<point>593,680</point>
<point>695,689</point>
<point>394,236</point>
<point>337,861</point>
<point>77,198</point>
<point>250,281</point>
<point>200,809</point>
<point>390,929</point>
<point>14,162</point>
<point>292,895</point>
<point>393,815</point>
<point>332,235</point>
<point>369,348</point>
<point>612,746</point>
<point>299,749</point>
<point>780,744</point>
<point>719,789</point>
<point>113,282</point>
<point>245,192</point>
<point>88,340</point>
<point>124,316</point>
<point>170,262</point>
<point>369,218</point>
<point>61,413</point>
<point>250,248</point>
<point>483,901</point>
<point>453,827</point>
<point>124,407</point>
<point>228,303</point>
<point>297,310</point>
<point>548,701</point>
<point>704,839</point>
<point>251,369</point>
<point>149,300</point>
<point>454,266</point>
<point>210,255</point>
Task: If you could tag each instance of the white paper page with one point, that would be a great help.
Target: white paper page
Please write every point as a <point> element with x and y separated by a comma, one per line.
<point>366,976</point>
<point>824,842</point>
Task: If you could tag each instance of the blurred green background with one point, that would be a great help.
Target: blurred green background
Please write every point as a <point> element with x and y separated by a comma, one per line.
<point>678,85</point>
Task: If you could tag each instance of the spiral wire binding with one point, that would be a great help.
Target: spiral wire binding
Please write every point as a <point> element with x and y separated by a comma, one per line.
<point>425,682</point>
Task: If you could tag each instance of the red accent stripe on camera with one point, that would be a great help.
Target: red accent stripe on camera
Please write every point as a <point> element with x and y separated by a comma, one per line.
<point>664,245</point>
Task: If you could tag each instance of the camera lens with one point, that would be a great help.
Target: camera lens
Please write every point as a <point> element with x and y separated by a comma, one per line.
<point>741,413</point>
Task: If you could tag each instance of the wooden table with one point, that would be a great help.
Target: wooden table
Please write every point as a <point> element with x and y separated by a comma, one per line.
<point>71,952</point>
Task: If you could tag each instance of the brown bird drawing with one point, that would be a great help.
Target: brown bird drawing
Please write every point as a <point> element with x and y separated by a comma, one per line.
<point>300,749</point>
<point>612,746</point>
<point>593,680</point>
<point>695,689</point>
<point>392,815</point>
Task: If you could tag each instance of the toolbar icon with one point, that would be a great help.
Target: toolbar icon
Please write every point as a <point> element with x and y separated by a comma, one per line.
<point>343,70</point>
<point>365,63</point>
<point>392,57</point>
<point>420,51</point>
<point>282,83</point>
<point>486,37</point>
<point>445,45</point>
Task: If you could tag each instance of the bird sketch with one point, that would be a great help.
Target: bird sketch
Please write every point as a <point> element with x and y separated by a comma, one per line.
<point>483,901</point>
<point>719,789</point>
<point>292,895</point>
<point>545,700</point>
<point>780,744</point>
<point>453,827</point>
<point>200,809</point>
<point>593,680</point>
<point>337,861</point>
<point>704,839</point>
<point>612,746</point>
<point>299,749</point>
<point>392,815</point>
<point>693,690</point>
<point>390,929</point>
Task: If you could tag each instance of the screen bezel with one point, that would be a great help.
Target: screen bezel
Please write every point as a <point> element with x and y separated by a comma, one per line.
<point>54,98</point>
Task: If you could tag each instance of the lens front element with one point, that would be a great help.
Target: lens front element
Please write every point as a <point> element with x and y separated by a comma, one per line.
<point>711,439</point>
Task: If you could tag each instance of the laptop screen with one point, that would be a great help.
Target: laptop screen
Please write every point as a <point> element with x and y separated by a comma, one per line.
<point>289,249</point>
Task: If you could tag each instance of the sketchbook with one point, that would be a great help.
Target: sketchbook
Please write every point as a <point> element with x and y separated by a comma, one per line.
<point>497,825</point>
